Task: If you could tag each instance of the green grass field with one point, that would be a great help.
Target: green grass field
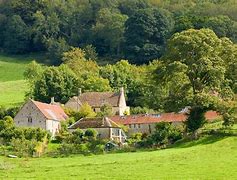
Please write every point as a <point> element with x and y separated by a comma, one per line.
<point>207,158</point>
<point>12,83</point>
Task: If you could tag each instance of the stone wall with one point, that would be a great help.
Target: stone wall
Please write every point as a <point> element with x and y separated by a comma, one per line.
<point>53,126</point>
<point>145,128</point>
<point>30,116</point>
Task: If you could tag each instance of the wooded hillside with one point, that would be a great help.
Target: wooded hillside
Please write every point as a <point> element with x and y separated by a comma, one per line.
<point>110,30</point>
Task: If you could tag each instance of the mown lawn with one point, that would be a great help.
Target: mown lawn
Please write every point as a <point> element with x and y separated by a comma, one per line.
<point>208,158</point>
<point>12,84</point>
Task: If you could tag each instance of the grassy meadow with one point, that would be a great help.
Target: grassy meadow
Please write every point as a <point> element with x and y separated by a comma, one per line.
<point>12,83</point>
<point>208,158</point>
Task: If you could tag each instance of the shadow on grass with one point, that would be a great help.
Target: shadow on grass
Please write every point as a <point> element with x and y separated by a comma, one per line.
<point>25,58</point>
<point>208,139</point>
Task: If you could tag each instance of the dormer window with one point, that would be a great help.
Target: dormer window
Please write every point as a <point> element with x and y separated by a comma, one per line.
<point>29,119</point>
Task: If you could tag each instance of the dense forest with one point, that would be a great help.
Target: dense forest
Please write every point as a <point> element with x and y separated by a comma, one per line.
<point>109,30</point>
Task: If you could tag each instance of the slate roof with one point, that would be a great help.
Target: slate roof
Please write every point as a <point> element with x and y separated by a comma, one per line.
<point>164,117</point>
<point>51,111</point>
<point>97,99</point>
<point>97,122</point>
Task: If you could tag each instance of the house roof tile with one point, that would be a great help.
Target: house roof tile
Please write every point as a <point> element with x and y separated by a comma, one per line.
<point>51,111</point>
<point>166,117</point>
<point>97,99</point>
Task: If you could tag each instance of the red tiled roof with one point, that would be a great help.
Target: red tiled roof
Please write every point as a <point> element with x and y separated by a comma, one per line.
<point>51,111</point>
<point>166,117</point>
<point>97,122</point>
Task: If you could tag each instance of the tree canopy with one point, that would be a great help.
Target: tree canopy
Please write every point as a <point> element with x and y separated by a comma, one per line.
<point>136,30</point>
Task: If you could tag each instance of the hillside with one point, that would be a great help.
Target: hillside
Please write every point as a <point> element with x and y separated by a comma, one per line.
<point>207,158</point>
<point>12,83</point>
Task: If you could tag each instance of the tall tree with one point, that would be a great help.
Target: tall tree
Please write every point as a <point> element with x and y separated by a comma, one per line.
<point>58,82</point>
<point>109,28</point>
<point>195,56</point>
<point>146,33</point>
<point>16,36</point>
<point>87,71</point>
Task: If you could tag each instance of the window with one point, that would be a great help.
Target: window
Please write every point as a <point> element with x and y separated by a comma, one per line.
<point>134,125</point>
<point>139,126</point>
<point>130,125</point>
<point>29,119</point>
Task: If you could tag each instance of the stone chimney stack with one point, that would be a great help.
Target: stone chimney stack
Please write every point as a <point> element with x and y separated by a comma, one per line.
<point>122,90</point>
<point>52,100</point>
<point>79,92</point>
<point>78,95</point>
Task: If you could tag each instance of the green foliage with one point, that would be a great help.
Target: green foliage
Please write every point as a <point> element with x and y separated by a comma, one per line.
<point>109,29</point>
<point>59,82</point>
<point>9,132</point>
<point>131,77</point>
<point>16,36</point>
<point>105,111</point>
<point>139,110</point>
<point>164,134</point>
<point>135,28</point>
<point>223,26</point>
<point>86,111</point>
<point>23,147</point>
<point>87,71</point>
<point>56,48</point>
<point>196,119</point>
<point>196,56</point>
<point>81,142</point>
<point>8,112</point>
<point>135,138</point>
<point>146,33</point>
<point>90,52</point>
<point>91,133</point>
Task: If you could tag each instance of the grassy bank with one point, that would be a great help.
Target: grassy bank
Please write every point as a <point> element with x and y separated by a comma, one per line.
<point>210,157</point>
<point>12,83</point>
<point>12,92</point>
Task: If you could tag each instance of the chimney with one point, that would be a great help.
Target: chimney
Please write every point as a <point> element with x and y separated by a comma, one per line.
<point>52,100</point>
<point>122,90</point>
<point>78,95</point>
<point>79,92</point>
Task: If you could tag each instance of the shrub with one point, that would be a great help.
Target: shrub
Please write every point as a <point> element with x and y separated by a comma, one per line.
<point>91,133</point>
<point>23,147</point>
<point>66,149</point>
<point>8,111</point>
<point>164,134</point>
<point>8,132</point>
<point>135,138</point>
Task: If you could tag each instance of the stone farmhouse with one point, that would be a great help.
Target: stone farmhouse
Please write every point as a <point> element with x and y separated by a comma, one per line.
<point>145,123</point>
<point>106,128</point>
<point>97,99</point>
<point>42,115</point>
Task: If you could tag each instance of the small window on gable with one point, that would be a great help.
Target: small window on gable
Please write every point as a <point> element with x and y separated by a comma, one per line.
<point>29,119</point>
